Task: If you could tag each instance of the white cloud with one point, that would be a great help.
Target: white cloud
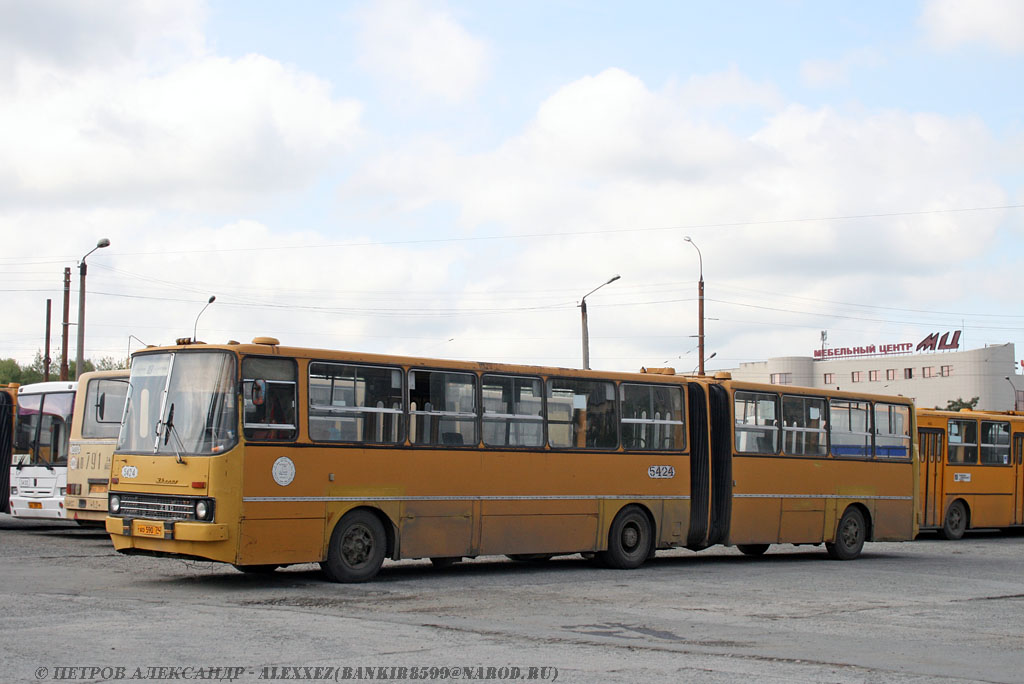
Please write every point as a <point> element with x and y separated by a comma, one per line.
<point>414,46</point>
<point>995,23</point>
<point>823,73</point>
<point>197,131</point>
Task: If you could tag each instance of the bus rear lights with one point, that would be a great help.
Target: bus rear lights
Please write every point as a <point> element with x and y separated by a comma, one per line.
<point>198,485</point>
<point>75,489</point>
<point>115,480</point>
<point>204,509</point>
<point>114,503</point>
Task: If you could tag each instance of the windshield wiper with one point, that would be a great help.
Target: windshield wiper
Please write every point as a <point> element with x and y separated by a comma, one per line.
<point>168,430</point>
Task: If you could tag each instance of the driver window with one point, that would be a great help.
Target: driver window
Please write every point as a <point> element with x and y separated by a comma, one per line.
<point>269,391</point>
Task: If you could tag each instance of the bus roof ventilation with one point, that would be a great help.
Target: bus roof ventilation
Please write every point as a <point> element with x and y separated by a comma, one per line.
<point>266,340</point>
<point>659,371</point>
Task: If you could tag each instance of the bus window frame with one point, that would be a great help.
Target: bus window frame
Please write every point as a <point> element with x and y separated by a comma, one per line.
<point>961,443</point>
<point>981,444</point>
<point>678,387</point>
<point>409,413</point>
<point>615,407</point>
<point>777,429</point>
<point>402,439</point>
<point>296,419</point>
<point>826,430</point>
<point>870,456</point>
<point>543,417</point>
<point>875,433</point>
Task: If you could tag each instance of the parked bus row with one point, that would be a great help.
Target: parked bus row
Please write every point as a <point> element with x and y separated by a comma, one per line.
<point>263,456</point>
<point>59,456</point>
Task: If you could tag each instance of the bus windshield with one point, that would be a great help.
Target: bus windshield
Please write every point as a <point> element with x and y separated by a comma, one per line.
<point>44,424</point>
<point>181,403</point>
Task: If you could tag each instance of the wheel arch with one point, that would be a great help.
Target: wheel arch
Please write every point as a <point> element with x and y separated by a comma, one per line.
<point>645,509</point>
<point>390,530</point>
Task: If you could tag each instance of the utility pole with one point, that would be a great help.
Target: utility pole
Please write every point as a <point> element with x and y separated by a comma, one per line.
<point>64,334</point>
<point>46,357</point>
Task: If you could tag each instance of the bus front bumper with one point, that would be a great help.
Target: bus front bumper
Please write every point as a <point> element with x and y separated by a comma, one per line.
<point>179,530</point>
<point>26,507</point>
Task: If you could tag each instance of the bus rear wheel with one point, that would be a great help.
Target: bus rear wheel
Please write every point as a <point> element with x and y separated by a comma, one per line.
<point>850,535</point>
<point>357,548</point>
<point>752,549</point>
<point>955,524</point>
<point>629,540</point>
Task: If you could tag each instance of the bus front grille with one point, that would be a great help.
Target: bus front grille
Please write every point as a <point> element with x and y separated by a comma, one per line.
<point>156,507</point>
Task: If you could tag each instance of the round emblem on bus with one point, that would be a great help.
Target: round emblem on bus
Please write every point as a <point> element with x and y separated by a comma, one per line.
<point>283,471</point>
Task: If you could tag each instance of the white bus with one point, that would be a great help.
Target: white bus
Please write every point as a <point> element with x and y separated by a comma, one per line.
<point>39,461</point>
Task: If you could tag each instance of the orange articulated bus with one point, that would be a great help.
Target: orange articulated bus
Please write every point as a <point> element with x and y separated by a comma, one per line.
<point>972,470</point>
<point>261,456</point>
<point>94,427</point>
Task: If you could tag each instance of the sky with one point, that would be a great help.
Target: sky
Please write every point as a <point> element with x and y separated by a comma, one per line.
<point>449,179</point>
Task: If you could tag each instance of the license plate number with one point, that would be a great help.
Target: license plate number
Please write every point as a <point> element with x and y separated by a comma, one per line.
<point>150,530</point>
<point>35,504</point>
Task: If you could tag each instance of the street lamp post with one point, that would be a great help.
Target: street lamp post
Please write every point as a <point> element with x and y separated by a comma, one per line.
<point>583,312</point>
<point>1016,405</point>
<point>80,354</point>
<point>700,307</point>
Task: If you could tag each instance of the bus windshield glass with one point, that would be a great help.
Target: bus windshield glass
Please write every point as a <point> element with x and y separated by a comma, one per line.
<point>181,403</point>
<point>44,424</point>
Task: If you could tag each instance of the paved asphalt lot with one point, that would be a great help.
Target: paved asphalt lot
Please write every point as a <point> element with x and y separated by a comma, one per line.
<point>923,611</point>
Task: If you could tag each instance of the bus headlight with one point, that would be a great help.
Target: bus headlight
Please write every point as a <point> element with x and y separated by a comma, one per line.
<point>114,504</point>
<point>203,509</point>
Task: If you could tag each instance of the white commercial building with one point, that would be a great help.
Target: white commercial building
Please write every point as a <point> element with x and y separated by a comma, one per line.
<point>932,372</point>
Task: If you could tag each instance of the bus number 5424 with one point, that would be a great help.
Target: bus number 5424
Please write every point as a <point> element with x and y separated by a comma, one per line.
<point>661,472</point>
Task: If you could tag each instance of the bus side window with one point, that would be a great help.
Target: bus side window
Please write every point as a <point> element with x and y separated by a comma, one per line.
<point>269,391</point>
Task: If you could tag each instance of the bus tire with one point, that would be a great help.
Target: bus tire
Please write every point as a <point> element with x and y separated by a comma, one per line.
<point>752,549</point>
<point>531,557</point>
<point>851,533</point>
<point>955,523</point>
<point>357,548</point>
<point>256,569</point>
<point>629,540</point>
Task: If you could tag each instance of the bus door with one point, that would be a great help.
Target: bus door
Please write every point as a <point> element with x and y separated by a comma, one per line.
<point>1018,478</point>
<point>931,442</point>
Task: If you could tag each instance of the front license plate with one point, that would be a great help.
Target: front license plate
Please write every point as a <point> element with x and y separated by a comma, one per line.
<point>150,530</point>
<point>35,504</point>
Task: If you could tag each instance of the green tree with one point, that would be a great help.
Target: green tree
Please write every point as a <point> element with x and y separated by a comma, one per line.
<point>110,363</point>
<point>10,371</point>
<point>959,403</point>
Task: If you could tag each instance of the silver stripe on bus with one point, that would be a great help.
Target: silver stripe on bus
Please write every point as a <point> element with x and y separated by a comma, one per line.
<point>644,497</point>
<point>821,496</point>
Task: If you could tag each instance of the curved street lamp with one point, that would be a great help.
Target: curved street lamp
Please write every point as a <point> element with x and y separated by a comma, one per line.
<point>80,354</point>
<point>583,313</point>
<point>700,307</point>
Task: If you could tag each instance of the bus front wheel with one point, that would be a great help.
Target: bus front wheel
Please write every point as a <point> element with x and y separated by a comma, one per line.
<point>357,548</point>
<point>629,540</point>
<point>955,524</point>
<point>850,535</point>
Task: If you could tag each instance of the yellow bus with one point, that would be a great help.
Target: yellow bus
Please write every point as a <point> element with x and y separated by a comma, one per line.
<point>8,413</point>
<point>972,470</point>
<point>94,427</point>
<point>262,456</point>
